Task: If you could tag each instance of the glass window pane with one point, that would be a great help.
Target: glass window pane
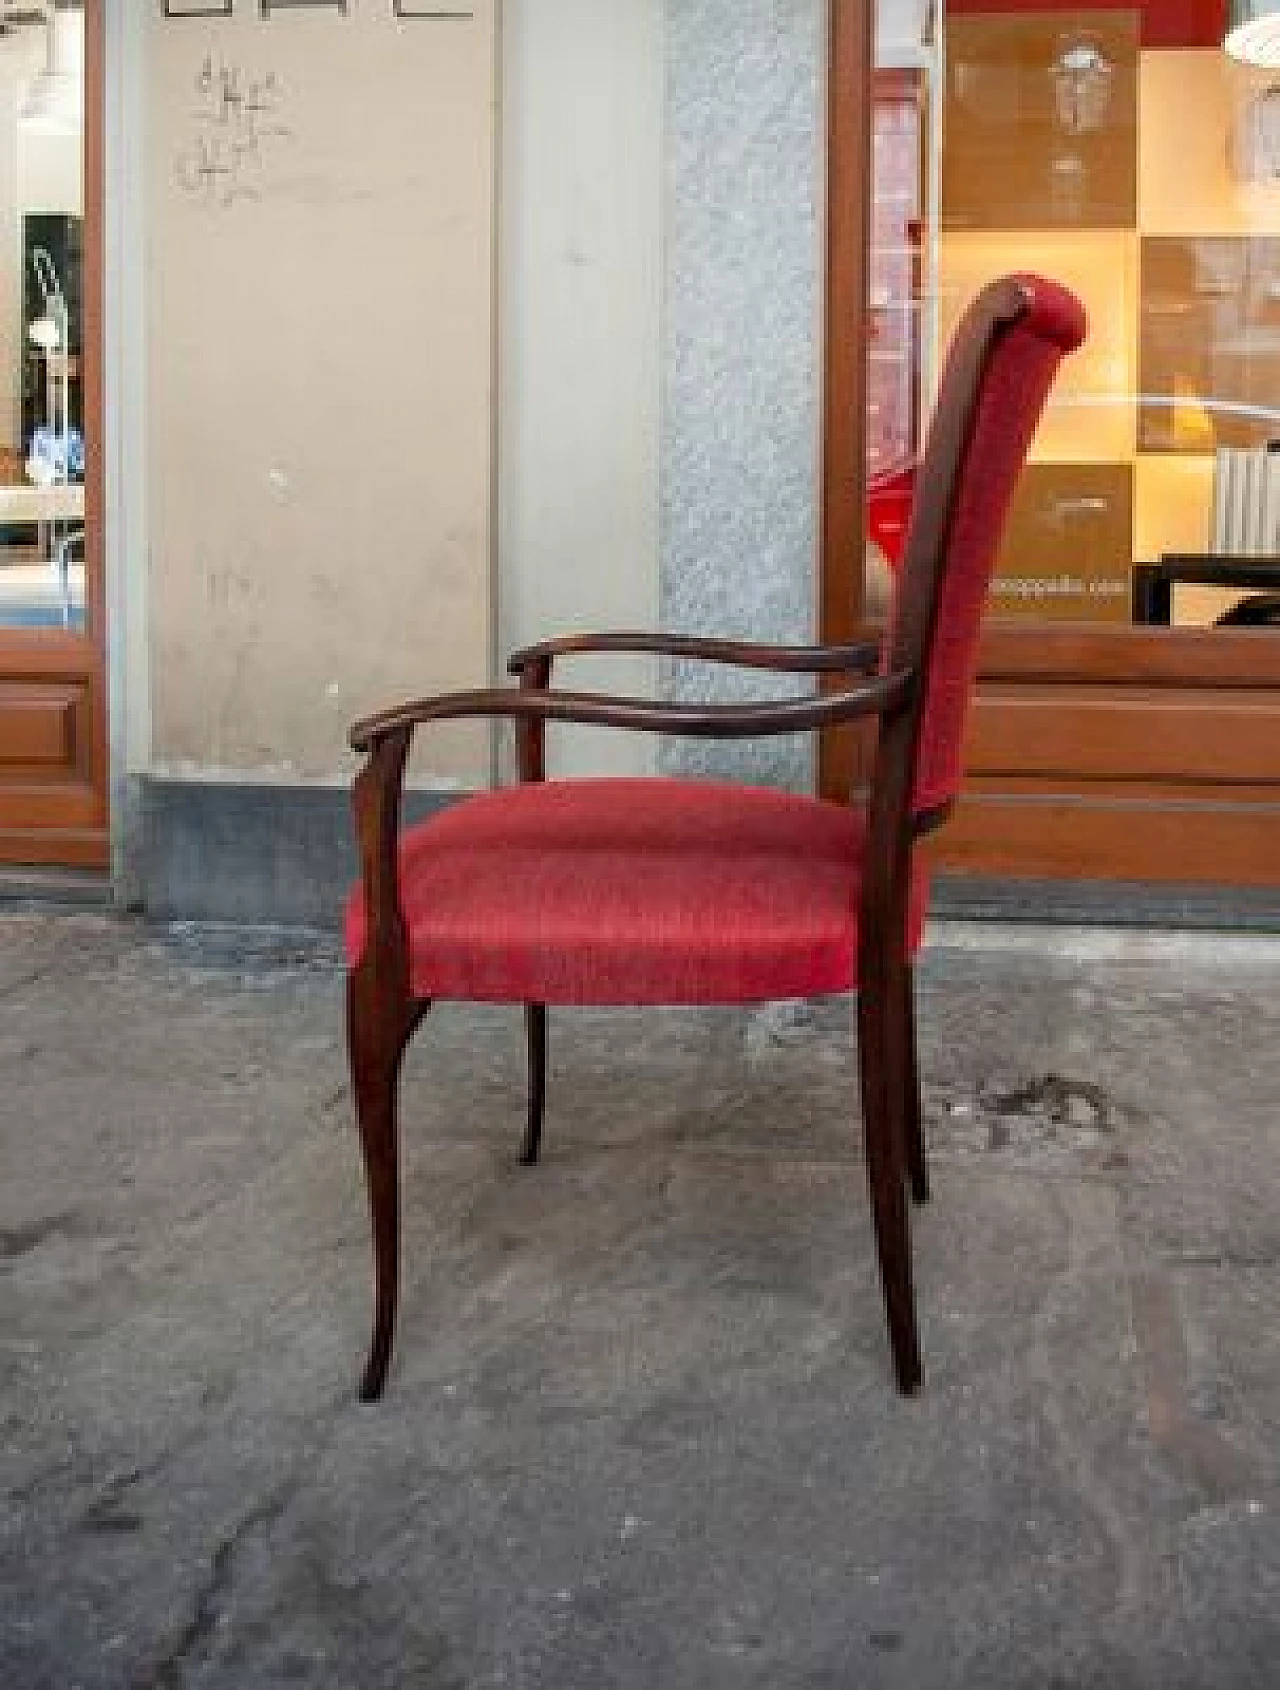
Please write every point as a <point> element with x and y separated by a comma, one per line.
<point>41,322</point>
<point>1123,153</point>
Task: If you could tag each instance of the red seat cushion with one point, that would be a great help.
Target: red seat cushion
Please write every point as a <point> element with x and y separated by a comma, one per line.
<point>632,892</point>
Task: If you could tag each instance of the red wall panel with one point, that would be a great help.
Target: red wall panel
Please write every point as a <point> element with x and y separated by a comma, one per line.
<point>1165,23</point>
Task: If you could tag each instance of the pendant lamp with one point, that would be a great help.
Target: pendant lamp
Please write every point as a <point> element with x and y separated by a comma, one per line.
<point>1253,32</point>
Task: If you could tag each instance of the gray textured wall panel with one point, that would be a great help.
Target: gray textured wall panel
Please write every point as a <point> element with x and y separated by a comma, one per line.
<point>253,852</point>
<point>740,450</point>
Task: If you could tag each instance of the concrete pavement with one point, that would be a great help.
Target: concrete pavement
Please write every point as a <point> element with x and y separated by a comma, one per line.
<point>640,1430</point>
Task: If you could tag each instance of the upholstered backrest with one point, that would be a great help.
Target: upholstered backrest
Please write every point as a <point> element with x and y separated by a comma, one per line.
<point>999,371</point>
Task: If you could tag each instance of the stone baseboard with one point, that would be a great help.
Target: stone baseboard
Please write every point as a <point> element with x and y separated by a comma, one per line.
<point>252,852</point>
<point>257,852</point>
<point>971,897</point>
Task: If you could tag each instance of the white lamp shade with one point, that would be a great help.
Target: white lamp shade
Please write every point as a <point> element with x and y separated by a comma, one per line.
<point>1253,32</point>
<point>45,334</point>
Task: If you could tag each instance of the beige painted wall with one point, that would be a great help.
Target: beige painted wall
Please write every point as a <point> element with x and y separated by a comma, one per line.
<point>580,341</point>
<point>320,318</point>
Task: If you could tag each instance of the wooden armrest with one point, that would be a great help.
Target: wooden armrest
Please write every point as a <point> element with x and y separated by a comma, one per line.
<point>857,659</point>
<point>876,696</point>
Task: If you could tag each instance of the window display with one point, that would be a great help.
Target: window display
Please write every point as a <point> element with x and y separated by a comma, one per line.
<point>1124,152</point>
<point>42,446</point>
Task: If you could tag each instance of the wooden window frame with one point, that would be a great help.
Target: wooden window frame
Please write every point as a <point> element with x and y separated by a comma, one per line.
<point>59,816</point>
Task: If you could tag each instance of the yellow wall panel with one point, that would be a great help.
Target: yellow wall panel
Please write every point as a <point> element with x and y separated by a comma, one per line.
<point>1172,499</point>
<point>1091,413</point>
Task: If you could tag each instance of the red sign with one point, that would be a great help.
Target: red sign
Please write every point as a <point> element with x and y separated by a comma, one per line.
<point>1165,23</point>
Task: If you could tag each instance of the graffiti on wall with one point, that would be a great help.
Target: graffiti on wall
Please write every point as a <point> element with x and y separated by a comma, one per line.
<point>237,120</point>
<point>427,11</point>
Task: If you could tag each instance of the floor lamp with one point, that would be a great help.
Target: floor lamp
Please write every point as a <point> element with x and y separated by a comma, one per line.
<point>51,333</point>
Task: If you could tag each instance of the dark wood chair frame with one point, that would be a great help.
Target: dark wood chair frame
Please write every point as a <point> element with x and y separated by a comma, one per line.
<point>383,1013</point>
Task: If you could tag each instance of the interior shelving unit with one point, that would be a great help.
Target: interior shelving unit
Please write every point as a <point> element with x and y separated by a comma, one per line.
<point>1140,177</point>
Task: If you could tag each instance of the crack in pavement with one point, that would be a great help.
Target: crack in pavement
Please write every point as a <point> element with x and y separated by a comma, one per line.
<point>107,1512</point>
<point>23,1240</point>
<point>170,1671</point>
<point>11,988</point>
<point>1077,1462</point>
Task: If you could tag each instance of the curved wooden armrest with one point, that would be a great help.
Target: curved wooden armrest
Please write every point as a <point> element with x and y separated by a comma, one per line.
<point>881,694</point>
<point>857,659</point>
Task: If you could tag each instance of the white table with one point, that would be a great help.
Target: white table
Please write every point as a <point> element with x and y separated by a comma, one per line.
<point>62,502</point>
<point>25,502</point>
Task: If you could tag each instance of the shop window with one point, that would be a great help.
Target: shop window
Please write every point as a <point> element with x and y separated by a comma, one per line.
<point>1124,153</point>
<point>42,449</point>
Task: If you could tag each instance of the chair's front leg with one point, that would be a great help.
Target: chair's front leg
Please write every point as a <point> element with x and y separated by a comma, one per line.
<point>531,739</point>
<point>380,1024</point>
<point>903,1074</point>
<point>535,1017</point>
<point>907,1081</point>
<point>382,1016</point>
<point>886,1181</point>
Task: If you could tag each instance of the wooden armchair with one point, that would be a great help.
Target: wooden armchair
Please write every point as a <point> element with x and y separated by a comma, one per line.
<point>680,891</point>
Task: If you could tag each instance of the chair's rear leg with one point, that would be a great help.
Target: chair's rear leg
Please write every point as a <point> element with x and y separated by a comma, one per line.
<point>376,1039</point>
<point>535,1019</point>
<point>913,1124</point>
<point>888,1186</point>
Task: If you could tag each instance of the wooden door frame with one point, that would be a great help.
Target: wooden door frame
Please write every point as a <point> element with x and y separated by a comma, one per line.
<point>1135,817</point>
<point>67,824</point>
<point>843,517</point>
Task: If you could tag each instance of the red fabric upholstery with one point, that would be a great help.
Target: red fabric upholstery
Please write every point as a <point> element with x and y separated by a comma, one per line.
<point>1014,390</point>
<point>632,892</point>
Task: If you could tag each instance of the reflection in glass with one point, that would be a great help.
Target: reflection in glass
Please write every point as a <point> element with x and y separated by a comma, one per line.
<point>1082,76</point>
<point>42,448</point>
<point>1066,550</point>
<point>894,349</point>
<point>1138,166</point>
<point>1210,362</point>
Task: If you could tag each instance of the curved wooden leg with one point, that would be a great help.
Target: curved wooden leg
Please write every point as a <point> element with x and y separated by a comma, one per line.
<point>377,1034</point>
<point>535,1020</point>
<point>907,1081</point>
<point>888,1187</point>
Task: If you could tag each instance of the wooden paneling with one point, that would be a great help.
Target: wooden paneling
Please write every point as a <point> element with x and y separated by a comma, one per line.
<point>1015,156</point>
<point>844,491</point>
<point>52,847</point>
<point>41,807</point>
<point>38,727</point>
<point>1070,837</point>
<point>1140,657</point>
<point>1123,733</point>
<point>53,690</point>
<point>1173,794</point>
